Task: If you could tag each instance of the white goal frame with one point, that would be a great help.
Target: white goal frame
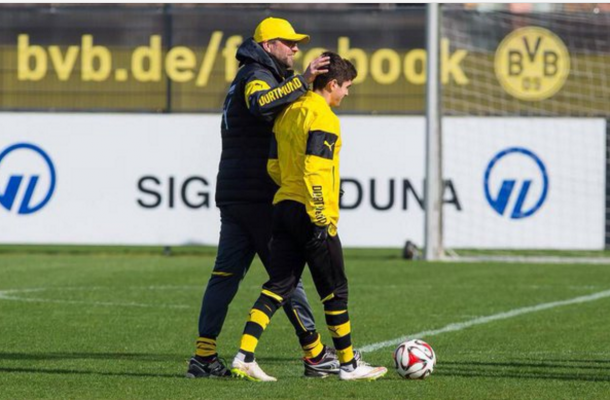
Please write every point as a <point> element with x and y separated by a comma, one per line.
<point>433,238</point>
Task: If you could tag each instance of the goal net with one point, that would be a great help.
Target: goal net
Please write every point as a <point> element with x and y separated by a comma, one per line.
<point>525,126</point>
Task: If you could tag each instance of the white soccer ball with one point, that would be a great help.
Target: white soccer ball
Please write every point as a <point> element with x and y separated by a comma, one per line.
<point>414,359</point>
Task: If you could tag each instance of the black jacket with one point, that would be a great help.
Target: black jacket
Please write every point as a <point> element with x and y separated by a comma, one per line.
<point>247,129</point>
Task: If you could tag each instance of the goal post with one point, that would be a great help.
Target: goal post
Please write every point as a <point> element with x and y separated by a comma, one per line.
<point>433,246</point>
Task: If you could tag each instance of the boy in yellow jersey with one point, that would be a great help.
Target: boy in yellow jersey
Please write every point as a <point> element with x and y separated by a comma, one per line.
<point>304,162</point>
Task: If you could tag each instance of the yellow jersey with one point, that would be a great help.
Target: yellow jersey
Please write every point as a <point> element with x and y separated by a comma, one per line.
<point>304,158</point>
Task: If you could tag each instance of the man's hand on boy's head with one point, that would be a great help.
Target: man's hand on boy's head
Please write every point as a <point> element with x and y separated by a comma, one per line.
<point>317,67</point>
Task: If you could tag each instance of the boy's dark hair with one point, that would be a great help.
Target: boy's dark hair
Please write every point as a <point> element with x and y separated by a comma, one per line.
<point>339,68</point>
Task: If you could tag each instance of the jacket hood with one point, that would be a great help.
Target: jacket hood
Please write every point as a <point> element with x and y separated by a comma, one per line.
<point>251,52</point>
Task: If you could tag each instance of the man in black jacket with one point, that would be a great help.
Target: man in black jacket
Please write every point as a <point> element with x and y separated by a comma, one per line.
<point>264,85</point>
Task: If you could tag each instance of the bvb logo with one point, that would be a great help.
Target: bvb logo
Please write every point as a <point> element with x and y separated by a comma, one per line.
<point>532,63</point>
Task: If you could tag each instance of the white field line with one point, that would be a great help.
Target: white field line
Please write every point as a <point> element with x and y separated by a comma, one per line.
<point>14,296</point>
<point>484,320</point>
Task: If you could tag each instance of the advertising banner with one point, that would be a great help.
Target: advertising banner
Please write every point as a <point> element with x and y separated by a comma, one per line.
<point>180,58</point>
<point>119,179</point>
<point>526,183</point>
<point>150,180</point>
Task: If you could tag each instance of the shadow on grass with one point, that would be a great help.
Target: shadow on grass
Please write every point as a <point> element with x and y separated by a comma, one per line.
<point>526,375</point>
<point>564,364</point>
<point>29,357</point>
<point>93,356</point>
<point>173,359</point>
<point>584,361</point>
<point>39,371</point>
<point>179,358</point>
<point>575,370</point>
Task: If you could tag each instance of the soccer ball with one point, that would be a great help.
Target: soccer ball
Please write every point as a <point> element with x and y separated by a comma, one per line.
<point>414,359</point>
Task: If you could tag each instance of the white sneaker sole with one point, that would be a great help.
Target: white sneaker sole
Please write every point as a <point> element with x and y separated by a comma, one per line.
<point>374,376</point>
<point>238,373</point>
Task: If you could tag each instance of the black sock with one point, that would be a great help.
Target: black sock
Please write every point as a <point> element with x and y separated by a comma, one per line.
<point>248,356</point>
<point>207,359</point>
<point>350,366</point>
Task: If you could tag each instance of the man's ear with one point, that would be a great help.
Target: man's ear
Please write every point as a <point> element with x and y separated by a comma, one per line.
<point>265,46</point>
<point>332,85</point>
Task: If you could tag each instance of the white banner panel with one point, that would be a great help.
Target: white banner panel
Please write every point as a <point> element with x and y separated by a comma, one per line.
<point>529,183</point>
<point>120,179</point>
<point>382,168</point>
<point>150,179</point>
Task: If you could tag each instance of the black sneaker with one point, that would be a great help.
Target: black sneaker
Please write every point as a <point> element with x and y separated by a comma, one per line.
<point>329,364</point>
<point>199,368</point>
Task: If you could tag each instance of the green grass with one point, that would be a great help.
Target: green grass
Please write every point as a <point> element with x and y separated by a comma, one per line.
<point>572,254</point>
<point>81,335</point>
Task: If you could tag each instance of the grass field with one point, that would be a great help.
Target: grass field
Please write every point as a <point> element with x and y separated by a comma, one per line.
<point>117,323</point>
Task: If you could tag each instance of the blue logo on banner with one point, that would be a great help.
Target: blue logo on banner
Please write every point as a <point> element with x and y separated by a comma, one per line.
<point>8,195</point>
<point>500,202</point>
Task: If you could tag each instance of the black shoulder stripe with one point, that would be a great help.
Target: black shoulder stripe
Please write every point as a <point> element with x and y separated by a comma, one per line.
<point>321,144</point>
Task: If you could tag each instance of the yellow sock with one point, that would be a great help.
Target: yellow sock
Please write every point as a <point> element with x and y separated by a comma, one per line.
<point>206,347</point>
<point>314,349</point>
